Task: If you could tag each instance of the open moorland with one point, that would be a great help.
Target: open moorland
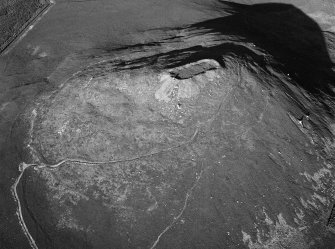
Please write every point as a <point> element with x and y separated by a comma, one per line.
<point>167,124</point>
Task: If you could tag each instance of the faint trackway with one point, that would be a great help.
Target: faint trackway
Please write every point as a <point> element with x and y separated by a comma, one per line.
<point>24,166</point>
<point>176,218</point>
<point>28,26</point>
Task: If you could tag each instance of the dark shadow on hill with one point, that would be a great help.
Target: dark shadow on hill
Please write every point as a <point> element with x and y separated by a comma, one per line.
<point>288,34</point>
<point>292,43</point>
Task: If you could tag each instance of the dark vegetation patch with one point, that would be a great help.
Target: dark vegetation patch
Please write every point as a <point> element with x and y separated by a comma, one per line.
<point>331,219</point>
<point>14,15</point>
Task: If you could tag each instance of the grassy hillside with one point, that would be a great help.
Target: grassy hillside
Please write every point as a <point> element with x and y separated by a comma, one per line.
<point>14,14</point>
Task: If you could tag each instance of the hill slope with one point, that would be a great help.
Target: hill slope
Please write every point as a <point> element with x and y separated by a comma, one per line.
<point>218,135</point>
